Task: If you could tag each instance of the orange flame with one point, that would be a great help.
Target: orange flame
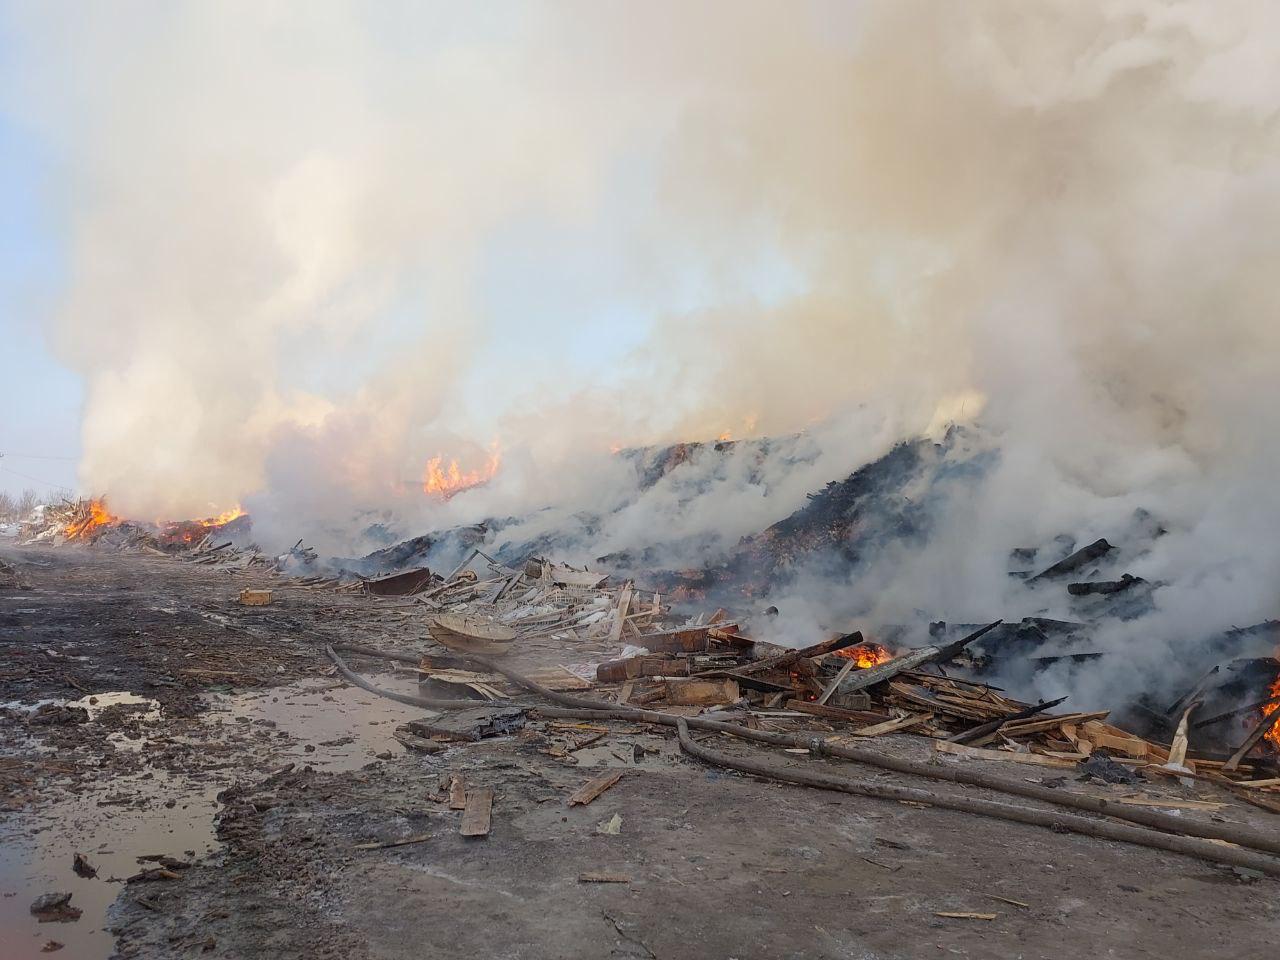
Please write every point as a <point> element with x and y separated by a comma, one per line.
<point>1273,735</point>
<point>235,513</point>
<point>99,516</point>
<point>866,655</point>
<point>444,482</point>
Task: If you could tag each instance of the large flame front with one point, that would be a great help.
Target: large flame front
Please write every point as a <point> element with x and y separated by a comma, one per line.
<point>866,655</point>
<point>98,516</point>
<point>441,481</point>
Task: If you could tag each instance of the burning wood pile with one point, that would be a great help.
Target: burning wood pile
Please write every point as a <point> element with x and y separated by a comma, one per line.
<point>633,644</point>
<point>644,656</point>
<point>81,520</point>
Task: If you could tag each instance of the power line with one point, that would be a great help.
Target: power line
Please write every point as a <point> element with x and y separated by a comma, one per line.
<point>34,456</point>
<point>47,483</point>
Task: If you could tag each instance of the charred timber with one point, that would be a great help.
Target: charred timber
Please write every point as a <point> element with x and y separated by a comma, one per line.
<point>1103,587</point>
<point>869,677</point>
<point>1082,557</point>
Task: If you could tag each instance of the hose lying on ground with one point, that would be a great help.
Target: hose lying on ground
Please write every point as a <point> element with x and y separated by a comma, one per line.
<point>588,709</point>
<point>428,703</point>
<point>1102,829</point>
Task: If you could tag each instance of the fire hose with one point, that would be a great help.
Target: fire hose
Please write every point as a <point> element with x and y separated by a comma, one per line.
<point>1168,833</point>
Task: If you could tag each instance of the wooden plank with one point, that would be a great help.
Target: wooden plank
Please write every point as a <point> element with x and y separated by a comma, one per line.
<point>620,615</point>
<point>892,726</point>
<point>478,813</point>
<point>594,787</point>
<point>831,687</point>
<point>1049,723</point>
<point>977,753</point>
<point>457,793</point>
<point>920,697</point>
<point>835,713</point>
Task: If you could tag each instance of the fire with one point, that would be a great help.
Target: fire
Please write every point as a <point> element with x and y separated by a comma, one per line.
<point>444,482</point>
<point>865,654</point>
<point>1273,735</point>
<point>193,531</point>
<point>725,436</point>
<point>235,513</point>
<point>99,516</point>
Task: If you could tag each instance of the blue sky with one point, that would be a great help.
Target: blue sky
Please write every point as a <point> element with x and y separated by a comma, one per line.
<point>40,398</point>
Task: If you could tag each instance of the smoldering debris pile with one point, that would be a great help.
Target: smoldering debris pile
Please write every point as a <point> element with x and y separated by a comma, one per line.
<point>648,655</point>
<point>218,541</point>
<point>1067,597</point>
<point>1064,598</point>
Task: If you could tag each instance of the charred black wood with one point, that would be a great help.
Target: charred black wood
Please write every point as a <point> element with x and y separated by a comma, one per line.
<point>1043,662</point>
<point>1237,712</point>
<point>966,736</point>
<point>1081,558</point>
<point>1103,587</point>
<point>910,660</point>
<point>1194,693</point>
<point>399,584</point>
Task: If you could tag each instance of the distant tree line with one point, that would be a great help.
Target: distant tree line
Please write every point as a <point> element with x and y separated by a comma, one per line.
<point>15,507</point>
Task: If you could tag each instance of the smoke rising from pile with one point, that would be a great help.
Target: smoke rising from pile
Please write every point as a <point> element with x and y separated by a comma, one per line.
<point>283,221</point>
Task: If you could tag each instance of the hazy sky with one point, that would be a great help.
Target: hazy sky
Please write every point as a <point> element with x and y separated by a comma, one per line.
<point>39,397</point>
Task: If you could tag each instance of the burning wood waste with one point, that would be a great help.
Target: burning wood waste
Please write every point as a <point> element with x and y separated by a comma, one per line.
<point>563,661</point>
<point>630,647</point>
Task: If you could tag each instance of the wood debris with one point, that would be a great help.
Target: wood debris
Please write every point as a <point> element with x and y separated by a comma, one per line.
<point>593,788</point>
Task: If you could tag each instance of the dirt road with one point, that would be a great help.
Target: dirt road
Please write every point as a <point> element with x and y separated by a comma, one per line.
<point>202,749</point>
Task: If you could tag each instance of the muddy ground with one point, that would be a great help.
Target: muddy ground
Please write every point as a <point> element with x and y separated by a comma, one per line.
<point>148,715</point>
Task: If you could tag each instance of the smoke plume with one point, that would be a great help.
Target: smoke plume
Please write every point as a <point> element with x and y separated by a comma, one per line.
<point>286,224</point>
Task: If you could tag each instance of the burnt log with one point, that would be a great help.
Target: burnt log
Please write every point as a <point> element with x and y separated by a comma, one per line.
<point>1082,557</point>
<point>1103,587</point>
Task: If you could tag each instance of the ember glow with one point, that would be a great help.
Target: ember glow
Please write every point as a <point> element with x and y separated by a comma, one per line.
<point>443,481</point>
<point>99,516</point>
<point>866,654</point>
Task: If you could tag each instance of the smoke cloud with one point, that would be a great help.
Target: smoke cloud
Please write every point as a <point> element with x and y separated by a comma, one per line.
<point>287,224</point>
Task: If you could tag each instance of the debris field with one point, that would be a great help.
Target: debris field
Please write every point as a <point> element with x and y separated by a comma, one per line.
<point>542,760</point>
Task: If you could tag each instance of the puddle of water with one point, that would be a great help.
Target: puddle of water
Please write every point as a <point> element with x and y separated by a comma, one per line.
<point>348,726</point>
<point>36,853</point>
<point>94,704</point>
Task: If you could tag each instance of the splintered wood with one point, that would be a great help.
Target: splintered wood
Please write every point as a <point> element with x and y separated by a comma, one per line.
<point>593,788</point>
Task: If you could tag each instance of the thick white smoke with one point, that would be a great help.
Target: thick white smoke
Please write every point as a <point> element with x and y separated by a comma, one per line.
<point>280,217</point>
